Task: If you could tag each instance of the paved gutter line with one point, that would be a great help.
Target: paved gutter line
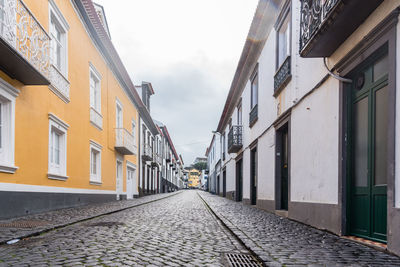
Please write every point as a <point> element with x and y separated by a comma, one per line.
<point>43,231</point>
<point>242,242</point>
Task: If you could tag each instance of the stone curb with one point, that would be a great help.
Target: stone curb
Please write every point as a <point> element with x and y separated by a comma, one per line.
<point>252,246</point>
<point>74,221</point>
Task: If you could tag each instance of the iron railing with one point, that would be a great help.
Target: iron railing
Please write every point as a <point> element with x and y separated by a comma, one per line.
<point>253,116</point>
<point>22,31</point>
<point>313,14</point>
<point>283,75</point>
<point>235,138</point>
<point>147,152</point>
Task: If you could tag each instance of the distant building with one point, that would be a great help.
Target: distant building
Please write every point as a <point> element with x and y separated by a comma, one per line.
<point>200,159</point>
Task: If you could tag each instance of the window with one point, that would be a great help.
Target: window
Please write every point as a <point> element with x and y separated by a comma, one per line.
<point>58,71</point>
<point>95,163</point>
<point>58,34</point>
<point>239,114</point>
<point>7,124</point>
<point>283,36</point>
<point>119,115</point>
<point>254,89</point>
<point>95,97</point>
<point>133,128</point>
<point>57,148</point>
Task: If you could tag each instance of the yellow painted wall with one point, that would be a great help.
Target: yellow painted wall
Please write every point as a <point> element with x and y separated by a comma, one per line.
<point>34,103</point>
<point>193,178</point>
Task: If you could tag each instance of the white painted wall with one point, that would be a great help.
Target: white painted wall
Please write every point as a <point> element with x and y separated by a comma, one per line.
<point>266,166</point>
<point>314,146</point>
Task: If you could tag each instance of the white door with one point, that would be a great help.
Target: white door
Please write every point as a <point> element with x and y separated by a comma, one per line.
<point>130,183</point>
<point>119,179</point>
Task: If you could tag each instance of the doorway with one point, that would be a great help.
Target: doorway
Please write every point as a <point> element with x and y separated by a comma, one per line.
<point>253,176</point>
<point>368,133</point>
<point>239,180</point>
<point>224,183</point>
<point>282,167</point>
<point>218,185</point>
<point>130,182</point>
<point>119,179</point>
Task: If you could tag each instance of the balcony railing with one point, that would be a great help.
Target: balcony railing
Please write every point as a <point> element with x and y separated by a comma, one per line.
<point>147,154</point>
<point>282,76</point>
<point>235,139</point>
<point>124,142</point>
<point>24,44</point>
<point>96,118</point>
<point>326,24</point>
<point>253,116</point>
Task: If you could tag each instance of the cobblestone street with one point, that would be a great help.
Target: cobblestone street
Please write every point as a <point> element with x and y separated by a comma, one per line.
<point>175,231</point>
<point>282,242</point>
<point>180,230</point>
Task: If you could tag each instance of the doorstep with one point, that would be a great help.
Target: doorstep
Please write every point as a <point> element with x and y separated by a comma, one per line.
<point>376,245</point>
<point>281,213</point>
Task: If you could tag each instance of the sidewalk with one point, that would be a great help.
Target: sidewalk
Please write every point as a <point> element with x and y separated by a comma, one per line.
<point>279,241</point>
<point>35,224</point>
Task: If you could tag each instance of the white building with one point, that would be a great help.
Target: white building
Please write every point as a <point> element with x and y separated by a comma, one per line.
<point>298,140</point>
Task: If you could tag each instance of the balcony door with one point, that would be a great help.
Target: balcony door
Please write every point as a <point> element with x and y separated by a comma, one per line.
<point>369,136</point>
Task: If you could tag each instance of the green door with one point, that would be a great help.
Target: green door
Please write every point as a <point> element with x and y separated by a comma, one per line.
<point>368,145</point>
<point>284,170</point>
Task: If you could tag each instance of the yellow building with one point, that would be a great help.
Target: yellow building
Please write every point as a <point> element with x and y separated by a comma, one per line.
<point>194,178</point>
<point>68,109</point>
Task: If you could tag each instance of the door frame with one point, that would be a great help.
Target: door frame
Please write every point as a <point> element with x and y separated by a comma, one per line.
<point>283,122</point>
<point>134,189</point>
<point>224,183</point>
<point>239,179</point>
<point>383,34</point>
<point>119,189</point>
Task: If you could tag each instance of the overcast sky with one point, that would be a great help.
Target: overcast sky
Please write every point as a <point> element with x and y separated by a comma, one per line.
<point>188,50</point>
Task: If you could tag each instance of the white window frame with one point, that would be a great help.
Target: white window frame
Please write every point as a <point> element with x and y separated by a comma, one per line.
<point>118,104</point>
<point>95,178</point>
<point>8,96</point>
<point>283,19</point>
<point>62,25</point>
<point>133,128</point>
<point>59,74</point>
<point>58,171</point>
<point>96,117</point>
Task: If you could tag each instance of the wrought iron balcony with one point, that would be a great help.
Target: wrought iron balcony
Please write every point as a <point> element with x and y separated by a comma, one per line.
<point>253,116</point>
<point>235,139</point>
<point>157,160</point>
<point>124,142</point>
<point>24,44</point>
<point>326,24</point>
<point>147,154</point>
<point>282,76</point>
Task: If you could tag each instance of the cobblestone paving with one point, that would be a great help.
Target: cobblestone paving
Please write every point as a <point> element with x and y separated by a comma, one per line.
<point>62,217</point>
<point>279,241</point>
<point>176,231</point>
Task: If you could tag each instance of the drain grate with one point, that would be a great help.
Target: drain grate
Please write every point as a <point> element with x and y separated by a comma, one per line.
<point>105,224</point>
<point>24,224</point>
<point>239,260</point>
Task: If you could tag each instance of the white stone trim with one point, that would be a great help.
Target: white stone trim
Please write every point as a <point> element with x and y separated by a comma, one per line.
<point>12,187</point>
<point>95,144</point>
<point>9,88</point>
<point>57,177</point>
<point>131,165</point>
<point>58,121</point>
<point>95,179</point>
<point>8,169</point>
<point>59,15</point>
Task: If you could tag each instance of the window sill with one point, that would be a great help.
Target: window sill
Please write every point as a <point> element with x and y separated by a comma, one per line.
<point>95,183</point>
<point>8,168</point>
<point>57,177</point>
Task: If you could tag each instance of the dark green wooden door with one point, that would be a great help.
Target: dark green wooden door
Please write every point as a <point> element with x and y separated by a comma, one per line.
<point>284,170</point>
<point>253,175</point>
<point>368,139</point>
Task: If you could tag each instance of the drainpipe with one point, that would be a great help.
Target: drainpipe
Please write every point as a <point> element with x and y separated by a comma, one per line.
<point>342,79</point>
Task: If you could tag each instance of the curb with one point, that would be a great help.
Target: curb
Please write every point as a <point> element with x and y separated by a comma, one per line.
<point>55,227</point>
<point>242,237</point>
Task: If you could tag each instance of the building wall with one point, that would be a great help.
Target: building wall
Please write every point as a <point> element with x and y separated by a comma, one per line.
<point>34,104</point>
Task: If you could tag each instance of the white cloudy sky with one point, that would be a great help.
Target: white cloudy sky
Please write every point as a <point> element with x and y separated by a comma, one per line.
<point>188,50</point>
